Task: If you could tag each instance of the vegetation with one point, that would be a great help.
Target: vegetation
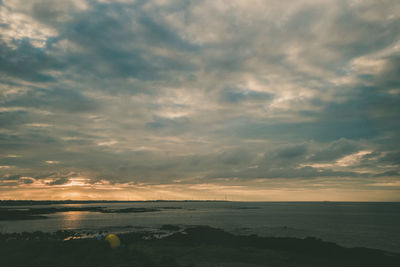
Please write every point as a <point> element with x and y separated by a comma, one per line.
<point>198,246</point>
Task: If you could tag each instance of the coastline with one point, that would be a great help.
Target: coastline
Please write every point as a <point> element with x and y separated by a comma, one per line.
<point>347,224</point>
<point>194,246</point>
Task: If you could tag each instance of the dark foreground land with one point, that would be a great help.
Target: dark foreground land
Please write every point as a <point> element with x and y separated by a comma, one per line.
<point>197,246</point>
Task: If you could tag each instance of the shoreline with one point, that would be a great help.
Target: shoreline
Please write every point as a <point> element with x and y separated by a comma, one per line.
<point>279,220</point>
<point>194,246</point>
<point>15,214</point>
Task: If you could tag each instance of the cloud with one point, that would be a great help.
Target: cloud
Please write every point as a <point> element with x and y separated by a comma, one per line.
<point>59,181</point>
<point>292,152</point>
<point>25,61</point>
<point>236,96</point>
<point>175,92</point>
<point>335,151</point>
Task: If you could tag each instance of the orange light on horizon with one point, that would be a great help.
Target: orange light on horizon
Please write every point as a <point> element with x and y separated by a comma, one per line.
<point>81,189</point>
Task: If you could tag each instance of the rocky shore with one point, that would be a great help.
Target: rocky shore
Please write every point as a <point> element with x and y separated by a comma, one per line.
<point>194,246</point>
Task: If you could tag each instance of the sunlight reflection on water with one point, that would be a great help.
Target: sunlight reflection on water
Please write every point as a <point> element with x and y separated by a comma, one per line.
<point>72,219</point>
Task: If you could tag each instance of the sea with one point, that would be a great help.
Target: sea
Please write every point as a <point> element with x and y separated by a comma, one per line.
<point>372,225</point>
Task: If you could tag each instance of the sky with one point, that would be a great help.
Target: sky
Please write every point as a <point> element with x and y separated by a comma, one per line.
<point>241,100</point>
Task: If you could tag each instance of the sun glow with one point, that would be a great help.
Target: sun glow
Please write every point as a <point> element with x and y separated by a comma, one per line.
<point>77,182</point>
<point>255,190</point>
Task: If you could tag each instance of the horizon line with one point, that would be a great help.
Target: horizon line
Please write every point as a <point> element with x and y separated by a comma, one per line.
<point>197,200</point>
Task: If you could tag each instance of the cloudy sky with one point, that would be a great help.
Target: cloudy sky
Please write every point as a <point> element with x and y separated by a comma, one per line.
<point>240,100</point>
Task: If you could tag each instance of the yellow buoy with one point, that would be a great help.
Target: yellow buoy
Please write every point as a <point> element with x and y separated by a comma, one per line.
<point>113,240</point>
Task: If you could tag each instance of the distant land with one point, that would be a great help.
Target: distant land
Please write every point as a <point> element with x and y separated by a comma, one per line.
<point>50,202</point>
<point>54,202</point>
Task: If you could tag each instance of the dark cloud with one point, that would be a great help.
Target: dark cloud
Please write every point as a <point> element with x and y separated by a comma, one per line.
<point>10,119</point>
<point>25,61</point>
<point>292,152</point>
<point>11,177</point>
<point>117,40</point>
<point>388,173</point>
<point>336,150</point>
<point>28,181</point>
<point>66,100</point>
<point>59,181</point>
<point>168,126</point>
<point>235,95</point>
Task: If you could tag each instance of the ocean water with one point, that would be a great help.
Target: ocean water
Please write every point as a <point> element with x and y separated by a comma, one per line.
<point>373,225</point>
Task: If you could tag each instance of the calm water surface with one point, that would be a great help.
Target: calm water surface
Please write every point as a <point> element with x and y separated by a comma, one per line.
<point>374,225</point>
